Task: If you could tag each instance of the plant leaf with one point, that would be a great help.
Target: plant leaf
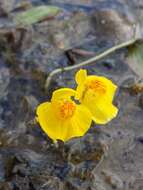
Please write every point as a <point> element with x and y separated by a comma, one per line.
<point>135,58</point>
<point>36,14</point>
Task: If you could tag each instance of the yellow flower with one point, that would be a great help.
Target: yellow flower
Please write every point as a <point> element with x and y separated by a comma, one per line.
<point>96,93</point>
<point>62,118</point>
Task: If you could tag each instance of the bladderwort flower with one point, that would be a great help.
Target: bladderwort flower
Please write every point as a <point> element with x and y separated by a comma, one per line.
<point>62,119</point>
<point>96,93</point>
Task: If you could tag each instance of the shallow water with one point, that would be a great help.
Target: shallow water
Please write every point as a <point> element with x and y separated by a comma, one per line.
<point>107,157</point>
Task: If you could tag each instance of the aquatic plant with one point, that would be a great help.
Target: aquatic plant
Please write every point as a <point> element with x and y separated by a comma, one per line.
<point>64,118</point>
<point>96,93</point>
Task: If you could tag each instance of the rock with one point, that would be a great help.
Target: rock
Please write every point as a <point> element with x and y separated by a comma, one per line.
<point>32,102</point>
<point>6,186</point>
<point>109,63</point>
<point>74,2</point>
<point>127,81</point>
<point>141,101</point>
<point>113,26</point>
<point>98,183</point>
<point>2,169</point>
<point>88,149</point>
<point>6,6</point>
<point>50,39</point>
<point>134,183</point>
<point>136,8</point>
<point>28,160</point>
<point>4,80</point>
<point>139,138</point>
<point>20,182</point>
<point>113,180</point>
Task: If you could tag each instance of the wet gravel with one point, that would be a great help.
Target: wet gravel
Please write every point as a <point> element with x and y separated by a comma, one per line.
<point>107,157</point>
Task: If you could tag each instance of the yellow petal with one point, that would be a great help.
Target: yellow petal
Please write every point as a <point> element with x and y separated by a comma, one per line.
<point>79,123</point>
<point>63,93</point>
<point>79,91</point>
<point>80,78</point>
<point>76,126</point>
<point>102,110</point>
<point>48,122</point>
<point>110,86</point>
<point>105,114</point>
<point>63,130</point>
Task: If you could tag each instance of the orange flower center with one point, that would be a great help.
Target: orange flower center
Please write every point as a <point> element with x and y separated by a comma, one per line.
<point>65,108</point>
<point>97,86</point>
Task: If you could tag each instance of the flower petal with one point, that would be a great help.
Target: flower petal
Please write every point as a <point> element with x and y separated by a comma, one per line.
<point>79,123</point>
<point>79,91</point>
<point>110,86</point>
<point>80,78</point>
<point>63,130</point>
<point>63,93</point>
<point>102,110</point>
<point>56,129</point>
<point>74,127</point>
<point>49,123</point>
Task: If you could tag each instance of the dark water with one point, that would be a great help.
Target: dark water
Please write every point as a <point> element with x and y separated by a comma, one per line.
<point>107,157</point>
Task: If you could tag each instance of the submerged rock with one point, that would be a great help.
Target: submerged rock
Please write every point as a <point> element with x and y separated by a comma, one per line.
<point>113,180</point>
<point>4,80</point>
<point>28,158</point>
<point>6,6</point>
<point>113,26</point>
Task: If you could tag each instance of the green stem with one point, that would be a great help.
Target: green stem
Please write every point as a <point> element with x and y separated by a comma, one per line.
<point>93,59</point>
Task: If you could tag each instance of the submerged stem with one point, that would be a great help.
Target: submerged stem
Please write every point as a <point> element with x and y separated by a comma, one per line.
<point>91,60</point>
